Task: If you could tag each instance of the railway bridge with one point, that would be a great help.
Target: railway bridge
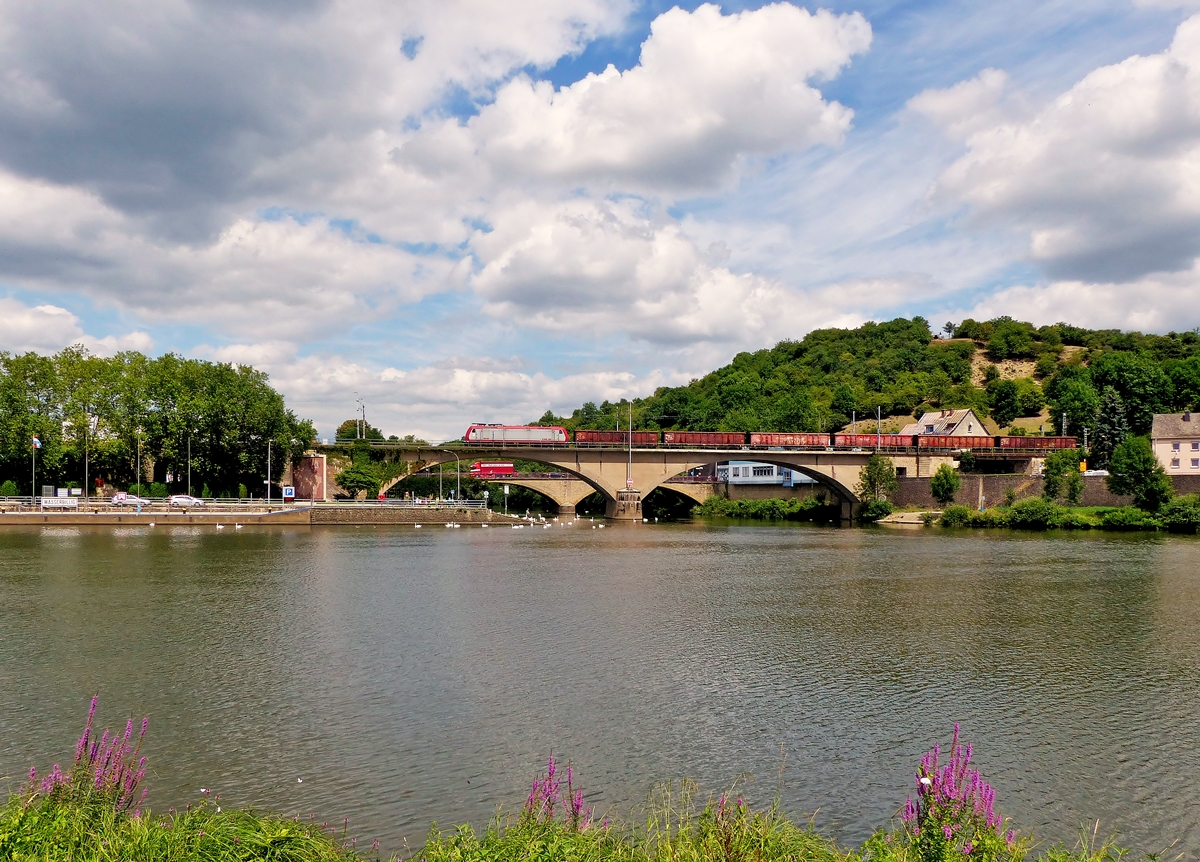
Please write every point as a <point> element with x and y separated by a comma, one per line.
<point>624,476</point>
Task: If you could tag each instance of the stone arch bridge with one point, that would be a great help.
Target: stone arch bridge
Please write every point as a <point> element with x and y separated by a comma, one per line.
<point>624,477</point>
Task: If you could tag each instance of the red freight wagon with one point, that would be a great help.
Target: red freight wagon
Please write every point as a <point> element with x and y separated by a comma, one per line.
<point>870,441</point>
<point>491,469</point>
<point>704,438</point>
<point>945,441</point>
<point>1037,442</point>
<point>790,441</point>
<point>617,438</point>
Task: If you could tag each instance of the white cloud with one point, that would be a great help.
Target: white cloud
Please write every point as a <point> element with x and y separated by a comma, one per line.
<point>1154,303</point>
<point>969,106</point>
<point>1106,178</point>
<point>709,88</point>
<point>604,267</point>
<point>48,328</point>
<point>435,402</point>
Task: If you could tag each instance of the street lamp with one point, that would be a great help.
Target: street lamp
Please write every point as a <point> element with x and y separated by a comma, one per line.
<point>457,473</point>
<point>139,462</point>
<point>268,473</point>
<point>191,431</point>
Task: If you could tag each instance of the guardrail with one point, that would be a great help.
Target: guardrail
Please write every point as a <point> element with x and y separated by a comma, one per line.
<point>407,504</point>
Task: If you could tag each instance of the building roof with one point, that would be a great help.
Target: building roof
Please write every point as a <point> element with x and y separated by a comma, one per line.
<point>1175,425</point>
<point>947,422</point>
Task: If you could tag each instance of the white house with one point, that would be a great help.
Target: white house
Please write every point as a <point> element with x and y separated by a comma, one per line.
<point>754,473</point>
<point>952,423</point>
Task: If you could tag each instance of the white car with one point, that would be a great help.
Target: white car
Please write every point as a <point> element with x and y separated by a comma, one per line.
<point>184,501</point>
<point>123,499</point>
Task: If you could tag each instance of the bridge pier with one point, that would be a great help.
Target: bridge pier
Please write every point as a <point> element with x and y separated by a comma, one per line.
<point>626,507</point>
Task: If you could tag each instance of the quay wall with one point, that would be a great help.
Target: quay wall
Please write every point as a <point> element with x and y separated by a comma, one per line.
<point>992,487</point>
<point>352,515</point>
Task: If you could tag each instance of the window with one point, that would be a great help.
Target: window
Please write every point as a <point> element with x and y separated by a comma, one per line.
<point>1175,446</point>
<point>970,427</point>
<point>1195,446</point>
<point>737,471</point>
<point>1174,463</point>
<point>901,472</point>
<point>928,429</point>
<point>765,470</point>
<point>1196,463</point>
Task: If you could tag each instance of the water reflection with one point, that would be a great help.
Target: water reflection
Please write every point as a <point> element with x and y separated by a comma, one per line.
<point>408,676</point>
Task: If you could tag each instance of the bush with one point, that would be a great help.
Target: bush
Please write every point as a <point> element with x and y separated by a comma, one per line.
<point>155,489</point>
<point>1129,518</point>
<point>990,518</point>
<point>9,489</point>
<point>808,509</point>
<point>1182,515</point>
<point>955,516</point>
<point>1034,514</point>
<point>873,510</point>
<point>945,484</point>
<point>1134,471</point>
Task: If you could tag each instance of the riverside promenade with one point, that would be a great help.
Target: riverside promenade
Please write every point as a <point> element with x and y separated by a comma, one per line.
<point>294,514</point>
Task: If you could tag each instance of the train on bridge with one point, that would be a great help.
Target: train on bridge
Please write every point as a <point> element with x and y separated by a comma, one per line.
<point>550,435</point>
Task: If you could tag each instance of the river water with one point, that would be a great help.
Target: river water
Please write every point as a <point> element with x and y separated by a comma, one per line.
<point>398,676</point>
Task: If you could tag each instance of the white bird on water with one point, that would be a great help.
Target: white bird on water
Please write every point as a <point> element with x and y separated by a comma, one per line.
<point>237,526</point>
<point>220,526</point>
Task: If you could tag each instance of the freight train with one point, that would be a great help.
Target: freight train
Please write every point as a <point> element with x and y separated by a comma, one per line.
<point>542,435</point>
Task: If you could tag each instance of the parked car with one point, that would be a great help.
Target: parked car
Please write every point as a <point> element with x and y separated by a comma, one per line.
<point>122,499</point>
<point>184,501</point>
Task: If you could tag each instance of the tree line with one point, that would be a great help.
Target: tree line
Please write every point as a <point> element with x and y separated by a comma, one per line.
<point>1107,382</point>
<point>80,406</point>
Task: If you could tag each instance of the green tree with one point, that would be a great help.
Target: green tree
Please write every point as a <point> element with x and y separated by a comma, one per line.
<point>355,429</point>
<point>359,477</point>
<point>1005,401</point>
<point>1110,429</point>
<point>1055,468</point>
<point>945,484</point>
<point>1141,383</point>
<point>1073,487</point>
<point>878,481</point>
<point>1075,401</point>
<point>1134,471</point>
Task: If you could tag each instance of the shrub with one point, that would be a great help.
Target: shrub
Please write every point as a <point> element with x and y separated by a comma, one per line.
<point>954,816</point>
<point>878,478</point>
<point>1129,518</point>
<point>1182,515</point>
<point>955,516</point>
<point>990,518</point>
<point>929,518</point>
<point>1073,487</point>
<point>873,510</point>
<point>155,489</point>
<point>1034,514</point>
<point>9,489</point>
<point>945,484</point>
<point>1134,471</point>
<point>1010,496</point>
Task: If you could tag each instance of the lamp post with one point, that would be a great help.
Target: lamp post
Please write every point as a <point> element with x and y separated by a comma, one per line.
<point>457,474</point>
<point>268,474</point>
<point>189,462</point>
<point>139,462</point>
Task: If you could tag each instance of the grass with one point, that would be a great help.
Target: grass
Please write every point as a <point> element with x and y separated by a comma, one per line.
<point>92,814</point>
<point>69,830</point>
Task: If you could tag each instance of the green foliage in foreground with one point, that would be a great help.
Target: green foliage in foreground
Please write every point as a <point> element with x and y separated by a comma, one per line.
<point>775,509</point>
<point>1181,516</point>
<point>64,830</point>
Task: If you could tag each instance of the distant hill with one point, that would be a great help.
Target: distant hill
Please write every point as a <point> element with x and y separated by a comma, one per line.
<point>1003,368</point>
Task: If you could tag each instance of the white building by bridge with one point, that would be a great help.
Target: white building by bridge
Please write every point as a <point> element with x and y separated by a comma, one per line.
<point>755,473</point>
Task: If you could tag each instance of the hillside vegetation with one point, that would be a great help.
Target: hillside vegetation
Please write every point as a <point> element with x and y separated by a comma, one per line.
<point>900,368</point>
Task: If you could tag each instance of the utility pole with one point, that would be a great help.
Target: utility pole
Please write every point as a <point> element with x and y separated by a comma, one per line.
<point>629,467</point>
<point>878,427</point>
<point>853,423</point>
<point>268,473</point>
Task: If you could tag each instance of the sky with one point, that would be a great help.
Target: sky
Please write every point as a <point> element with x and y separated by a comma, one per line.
<point>462,211</point>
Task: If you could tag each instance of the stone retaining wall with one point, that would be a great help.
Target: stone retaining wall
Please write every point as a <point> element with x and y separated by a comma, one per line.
<point>916,492</point>
<point>343,515</point>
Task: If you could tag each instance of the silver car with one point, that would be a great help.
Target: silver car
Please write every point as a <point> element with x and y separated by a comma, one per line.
<point>184,501</point>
